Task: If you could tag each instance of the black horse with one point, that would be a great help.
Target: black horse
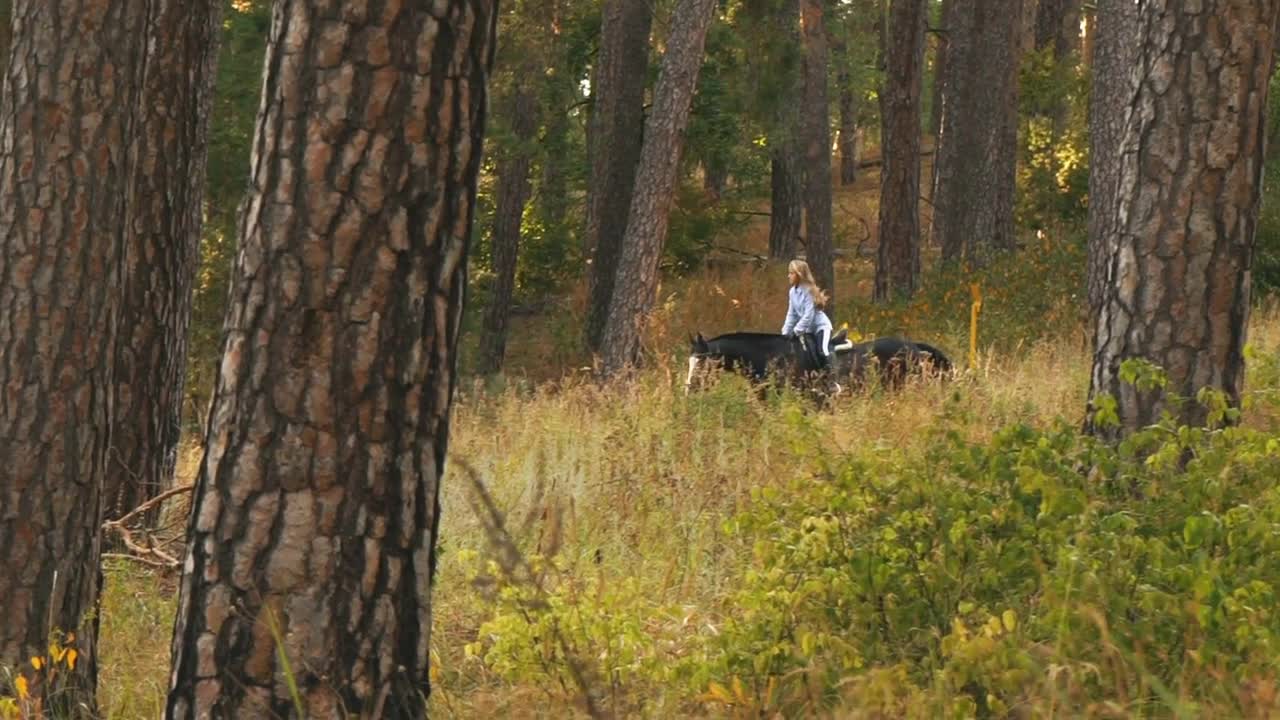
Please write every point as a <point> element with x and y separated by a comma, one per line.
<point>760,355</point>
<point>893,359</point>
<point>756,355</point>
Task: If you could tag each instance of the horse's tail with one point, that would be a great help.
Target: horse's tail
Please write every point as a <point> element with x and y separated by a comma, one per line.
<point>936,356</point>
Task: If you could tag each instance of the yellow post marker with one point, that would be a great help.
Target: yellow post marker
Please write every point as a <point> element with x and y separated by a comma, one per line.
<point>976,291</point>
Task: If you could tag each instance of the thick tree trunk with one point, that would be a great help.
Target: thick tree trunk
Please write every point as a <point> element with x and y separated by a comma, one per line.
<point>1177,287</point>
<point>162,249</point>
<point>1115,59</point>
<point>976,174</point>
<point>655,183</point>
<point>513,192</point>
<point>65,119</point>
<point>817,147</point>
<point>617,125</point>
<point>315,512</point>
<point>786,211</point>
<point>898,258</point>
<point>786,202</point>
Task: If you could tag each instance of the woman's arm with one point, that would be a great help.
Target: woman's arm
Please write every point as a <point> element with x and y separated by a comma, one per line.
<point>805,312</point>
<point>792,315</point>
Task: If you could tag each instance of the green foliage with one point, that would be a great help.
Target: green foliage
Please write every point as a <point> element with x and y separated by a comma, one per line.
<point>1053,167</point>
<point>970,578</point>
<point>1028,295</point>
<point>238,90</point>
<point>1266,264</point>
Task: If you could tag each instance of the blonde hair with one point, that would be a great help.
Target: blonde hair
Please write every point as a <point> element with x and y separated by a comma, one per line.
<point>801,268</point>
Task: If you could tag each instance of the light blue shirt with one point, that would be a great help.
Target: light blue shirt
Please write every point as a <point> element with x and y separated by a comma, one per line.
<point>800,312</point>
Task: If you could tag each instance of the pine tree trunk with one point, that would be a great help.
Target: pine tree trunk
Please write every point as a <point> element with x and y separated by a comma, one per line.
<point>655,183</point>
<point>817,147</point>
<point>1115,56</point>
<point>617,125</point>
<point>1058,26</point>
<point>786,211</point>
<point>315,511</point>
<point>848,137</point>
<point>558,93</point>
<point>941,40</point>
<point>786,202</point>
<point>65,118</point>
<point>1177,286</point>
<point>977,163</point>
<point>512,194</point>
<point>898,258</point>
<point>948,196</point>
<point>162,249</point>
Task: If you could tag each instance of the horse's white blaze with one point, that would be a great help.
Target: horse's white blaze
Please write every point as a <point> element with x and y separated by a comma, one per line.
<point>694,362</point>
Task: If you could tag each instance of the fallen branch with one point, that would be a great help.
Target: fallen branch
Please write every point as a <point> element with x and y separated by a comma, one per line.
<point>148,554</point>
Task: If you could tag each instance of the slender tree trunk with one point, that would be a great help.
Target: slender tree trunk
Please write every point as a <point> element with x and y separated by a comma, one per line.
<point>617,124</point>
<point>162,249</point>
<point>1058,26</point>
<point>715,178</point>
<point>848,139</point>
<point>976,180</point>
<point>786,202</point>
<point>558,94</point>
<point>315,512</point>
<point>1114,79</point>
<point>65,119</point>
<point>1177,286</point>
<point>941,40</point>
<point>1089,35</point>
<point>950,197</point>
<point>656,182</point>
<point>786,212</point>
<point>513,192</point>
<point>898,258</point>
<point>817,147</point>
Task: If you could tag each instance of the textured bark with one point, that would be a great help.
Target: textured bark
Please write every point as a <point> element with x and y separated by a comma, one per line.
<point>512,194</point>
<point>1178,288</point>
<point>65,118</point>
<point>316,504</point>
<point>162,241</point>
<point>817,146</point>
<point>976,175</point>
<point>1115,58</point>
<point>617,125</point>
<point>786,205</point>
<point>655,183</point>
<point>898,257</point>
<point>6,32</point>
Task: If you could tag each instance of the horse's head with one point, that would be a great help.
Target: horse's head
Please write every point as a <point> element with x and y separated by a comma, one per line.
<point>700,363</point>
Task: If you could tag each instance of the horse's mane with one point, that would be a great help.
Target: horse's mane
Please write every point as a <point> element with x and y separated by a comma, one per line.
<point>746,336</point>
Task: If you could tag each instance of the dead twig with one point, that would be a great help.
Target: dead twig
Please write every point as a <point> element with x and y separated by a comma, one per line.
<point>148,554</point>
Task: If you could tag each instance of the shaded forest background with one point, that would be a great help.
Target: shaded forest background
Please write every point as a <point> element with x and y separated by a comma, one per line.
<point>719,220</point>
